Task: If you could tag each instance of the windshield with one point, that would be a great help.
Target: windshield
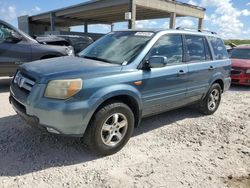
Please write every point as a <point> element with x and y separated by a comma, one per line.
<point>120,47</point>
<point>241,54</point>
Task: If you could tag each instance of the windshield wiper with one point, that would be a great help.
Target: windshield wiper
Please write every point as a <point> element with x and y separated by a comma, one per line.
<point>98,59</point>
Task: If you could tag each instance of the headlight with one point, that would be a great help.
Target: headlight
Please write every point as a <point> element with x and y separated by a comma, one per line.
<point>70,51</point>
<point>248,71</point>
<point>63,89</point>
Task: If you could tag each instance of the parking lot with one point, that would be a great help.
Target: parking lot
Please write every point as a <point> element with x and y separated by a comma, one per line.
<point>180,148</point>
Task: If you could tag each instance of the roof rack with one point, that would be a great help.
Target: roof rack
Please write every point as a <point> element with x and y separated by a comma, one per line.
<point>199,30</point>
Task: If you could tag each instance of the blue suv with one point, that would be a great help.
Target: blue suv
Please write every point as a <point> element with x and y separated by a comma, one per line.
<point>102,94</point>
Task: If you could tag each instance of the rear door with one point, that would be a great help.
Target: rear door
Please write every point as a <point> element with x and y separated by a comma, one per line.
<point>165,88</point>
<point>12,52</point>
<point>200,66</point>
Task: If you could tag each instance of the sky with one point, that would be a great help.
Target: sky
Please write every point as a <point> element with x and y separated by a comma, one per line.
<point>229,18</point>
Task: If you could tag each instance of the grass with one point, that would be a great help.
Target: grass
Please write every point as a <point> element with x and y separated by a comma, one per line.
<point>237,42</point>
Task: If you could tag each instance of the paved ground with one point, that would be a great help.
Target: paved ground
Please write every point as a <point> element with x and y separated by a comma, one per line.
<point>180,148</point>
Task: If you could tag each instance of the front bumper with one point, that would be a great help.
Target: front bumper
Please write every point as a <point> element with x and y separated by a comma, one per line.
<point>60,117</point>
<point>241,79</point>
<point>20,109</point>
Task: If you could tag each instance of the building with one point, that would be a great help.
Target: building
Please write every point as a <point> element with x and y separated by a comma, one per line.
<point>108,12</point>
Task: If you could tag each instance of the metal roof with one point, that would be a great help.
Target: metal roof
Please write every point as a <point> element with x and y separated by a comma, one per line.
<point>110,11</point>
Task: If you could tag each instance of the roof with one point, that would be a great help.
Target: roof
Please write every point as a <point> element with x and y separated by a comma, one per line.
<point>110,11</point>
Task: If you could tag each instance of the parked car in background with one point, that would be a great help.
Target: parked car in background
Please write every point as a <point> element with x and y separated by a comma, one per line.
<point>79,43</point>
<point>119,79</point>
<point>240,73</point>
<point>17,48</point>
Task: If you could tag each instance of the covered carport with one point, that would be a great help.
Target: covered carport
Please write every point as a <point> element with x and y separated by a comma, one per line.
<point>109,12</point>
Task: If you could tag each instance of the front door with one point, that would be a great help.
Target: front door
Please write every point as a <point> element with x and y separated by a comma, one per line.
<point>12,52</point>
<point>165,88</point>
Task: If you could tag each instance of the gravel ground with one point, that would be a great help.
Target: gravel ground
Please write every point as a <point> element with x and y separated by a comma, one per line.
<point>180,148</point>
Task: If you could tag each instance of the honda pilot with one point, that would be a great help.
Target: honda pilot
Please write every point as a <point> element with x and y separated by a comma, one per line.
<point>103,94</point>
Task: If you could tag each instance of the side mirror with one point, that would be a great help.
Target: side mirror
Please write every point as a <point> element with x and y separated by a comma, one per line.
<point>14,37</point>
<point>157,62</point>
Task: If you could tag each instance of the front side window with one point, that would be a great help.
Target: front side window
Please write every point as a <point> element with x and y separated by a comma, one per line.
<point>120,47</point>
<point>5,33</point>
<point>240,53</point>
<point>195,48</point>
<point>220,51</point>
<point>169,46</point>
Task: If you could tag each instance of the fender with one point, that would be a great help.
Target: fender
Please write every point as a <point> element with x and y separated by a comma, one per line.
<point>216,76</point>
<point>106,93</point>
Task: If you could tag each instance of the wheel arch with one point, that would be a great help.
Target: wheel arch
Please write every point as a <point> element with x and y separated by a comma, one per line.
<point>220,82</point>
<point>218,78</point>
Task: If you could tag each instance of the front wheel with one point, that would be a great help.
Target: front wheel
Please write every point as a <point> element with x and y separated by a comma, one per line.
<point>110,129</point>
<point>211,102</point>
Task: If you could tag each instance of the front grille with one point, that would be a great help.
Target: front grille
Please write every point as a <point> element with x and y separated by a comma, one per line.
<point>21,108</point>
<point>236,71</point>
<point>235,81</point>
<point>24,82</point>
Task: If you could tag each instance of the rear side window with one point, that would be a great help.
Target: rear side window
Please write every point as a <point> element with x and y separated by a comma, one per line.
<point>220,51</point>
<point>169,46</point>
<point>196,50</point>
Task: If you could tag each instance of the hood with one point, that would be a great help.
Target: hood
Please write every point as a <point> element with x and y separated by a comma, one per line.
<point>49,39</point>
<point>241,63</point>
<point>67,67</point>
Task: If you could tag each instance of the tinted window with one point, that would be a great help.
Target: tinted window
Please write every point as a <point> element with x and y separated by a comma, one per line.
<point>195,48</point>
<point>169,46</point>
<point>241,54</point>
<point>220,51</point>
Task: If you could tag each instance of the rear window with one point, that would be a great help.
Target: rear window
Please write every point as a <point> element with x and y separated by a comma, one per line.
<point>240,54</point>
<point>220,51</point>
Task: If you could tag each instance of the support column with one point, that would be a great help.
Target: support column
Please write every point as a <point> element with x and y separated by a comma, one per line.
<point>200,24</point>
<point>112,27</point>
<point>132,9</point>
<point>23,24</point>
<point>52,21</point>
<point>86,27</point>
<point>172,20</point>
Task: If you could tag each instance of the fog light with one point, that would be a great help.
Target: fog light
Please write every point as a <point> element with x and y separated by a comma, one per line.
<point>51,130</point>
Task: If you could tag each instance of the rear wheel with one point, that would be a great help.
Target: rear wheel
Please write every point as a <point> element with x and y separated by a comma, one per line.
<point>211,102</point>
<point>110,129</point>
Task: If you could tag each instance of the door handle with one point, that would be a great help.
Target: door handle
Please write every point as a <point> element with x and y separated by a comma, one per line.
<point>211,68</point>
<point>181,72</point>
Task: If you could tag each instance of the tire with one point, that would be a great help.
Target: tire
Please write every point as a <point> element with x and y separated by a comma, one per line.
<point>211,102</point>
<point>119,123</point>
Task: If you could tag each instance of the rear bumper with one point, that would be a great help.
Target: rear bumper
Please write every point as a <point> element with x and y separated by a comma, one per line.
<point>241,79</point>
<point>227,84</point>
